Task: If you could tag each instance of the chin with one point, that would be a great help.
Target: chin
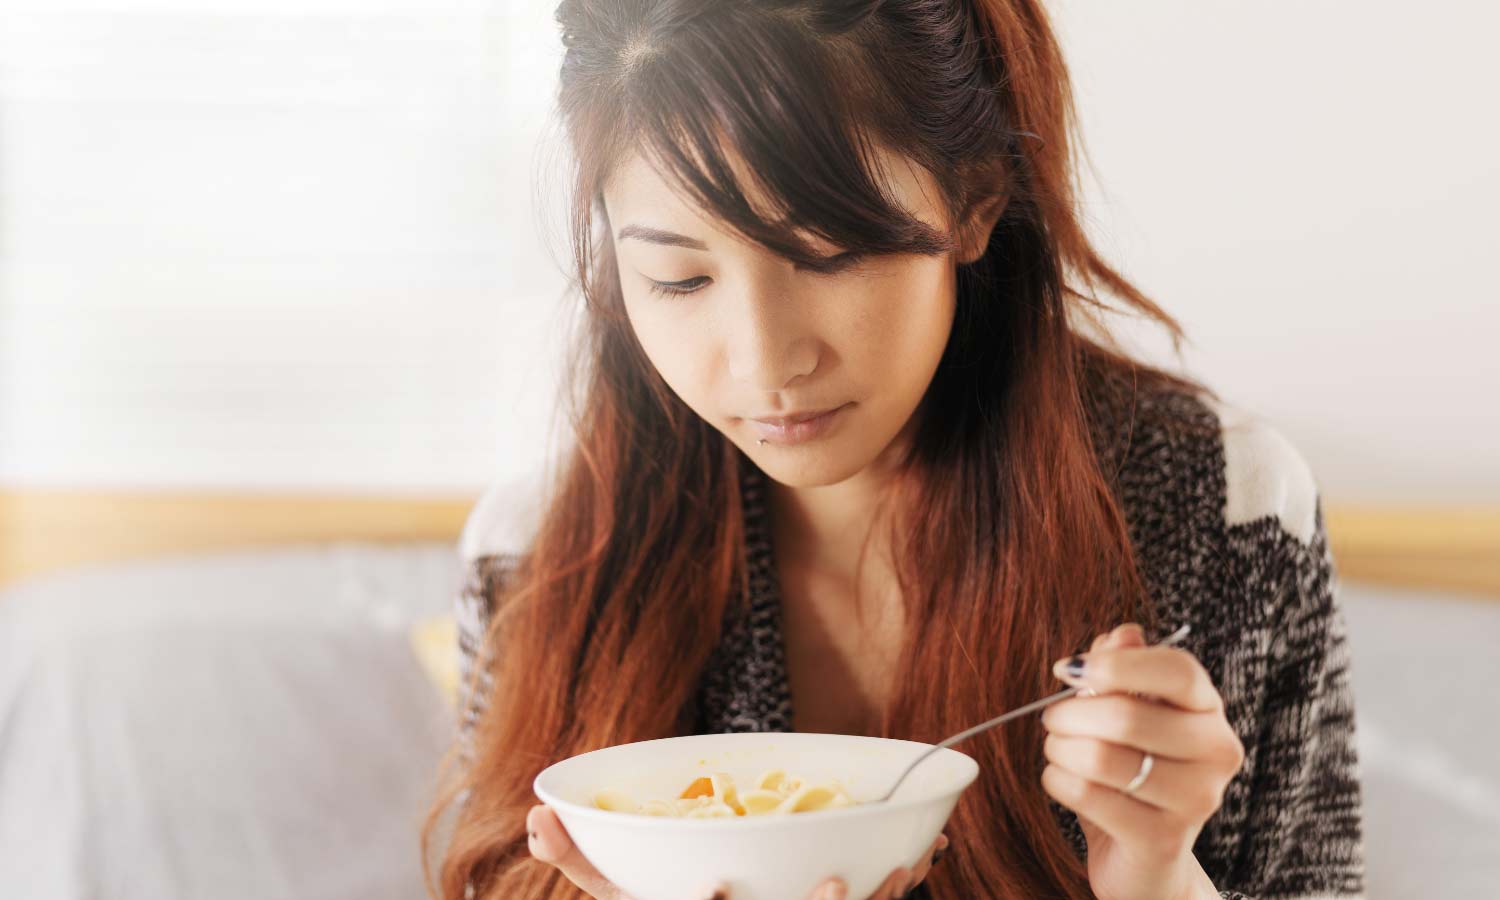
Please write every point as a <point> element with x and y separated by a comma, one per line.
<point>805,467</point>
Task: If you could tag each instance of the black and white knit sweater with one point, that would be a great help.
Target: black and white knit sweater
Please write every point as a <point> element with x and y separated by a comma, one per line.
<point>1228,525</point>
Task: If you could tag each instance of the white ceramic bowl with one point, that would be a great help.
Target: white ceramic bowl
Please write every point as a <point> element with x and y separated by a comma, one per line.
<point>767,857</point>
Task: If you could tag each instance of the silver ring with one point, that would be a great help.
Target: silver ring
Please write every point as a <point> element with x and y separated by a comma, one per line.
<point>1147,762</point>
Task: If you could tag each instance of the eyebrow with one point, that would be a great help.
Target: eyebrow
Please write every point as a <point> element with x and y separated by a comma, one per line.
<point>658,236</point>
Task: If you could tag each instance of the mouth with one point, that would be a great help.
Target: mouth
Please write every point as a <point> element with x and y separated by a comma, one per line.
<point>798,428</point>
<point>782,421</point>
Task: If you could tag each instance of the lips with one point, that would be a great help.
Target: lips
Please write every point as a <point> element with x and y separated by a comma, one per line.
<point>798,428</point>
<point>793,419</point>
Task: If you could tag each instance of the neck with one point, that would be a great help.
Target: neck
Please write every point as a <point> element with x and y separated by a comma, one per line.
<point>823,528</point>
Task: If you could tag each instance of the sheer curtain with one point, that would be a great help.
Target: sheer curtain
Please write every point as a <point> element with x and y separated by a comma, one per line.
<point>271,243</point>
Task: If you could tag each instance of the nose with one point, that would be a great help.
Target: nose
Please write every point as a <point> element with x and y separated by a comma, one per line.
<point>769,345</point>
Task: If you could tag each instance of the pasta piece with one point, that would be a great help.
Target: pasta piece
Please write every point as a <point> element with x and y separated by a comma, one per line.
<point>771,780</point>
<point>724,792</point>
<point>758,802</point>
<point>715,796</point>
<point>711,811</point>
<point>814,797</point>
<point>614,801</point>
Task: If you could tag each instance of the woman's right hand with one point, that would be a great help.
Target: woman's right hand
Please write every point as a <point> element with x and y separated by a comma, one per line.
<point>549,842</point>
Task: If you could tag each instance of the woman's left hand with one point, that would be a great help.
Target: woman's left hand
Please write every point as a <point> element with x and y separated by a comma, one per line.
<point>1156,700</point>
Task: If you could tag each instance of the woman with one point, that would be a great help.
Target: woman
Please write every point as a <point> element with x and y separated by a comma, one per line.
<point>865,208</point>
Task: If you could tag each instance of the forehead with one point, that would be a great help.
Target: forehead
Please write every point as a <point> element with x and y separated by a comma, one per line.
<point>637,193</point>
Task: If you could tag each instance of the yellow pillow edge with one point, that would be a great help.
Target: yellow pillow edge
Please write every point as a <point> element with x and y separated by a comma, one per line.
<point>434,641</point>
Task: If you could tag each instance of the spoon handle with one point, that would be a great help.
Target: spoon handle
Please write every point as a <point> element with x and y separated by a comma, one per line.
<point>1173,638</point>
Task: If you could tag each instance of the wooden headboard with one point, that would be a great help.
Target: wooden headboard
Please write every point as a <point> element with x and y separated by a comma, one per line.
<point>47,530</point>
<point>1451,548</point>
<point>1454,548</point>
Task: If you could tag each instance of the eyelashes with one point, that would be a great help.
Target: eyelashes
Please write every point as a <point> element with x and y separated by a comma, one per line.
<point>832,266</point>
<point>676,288</point>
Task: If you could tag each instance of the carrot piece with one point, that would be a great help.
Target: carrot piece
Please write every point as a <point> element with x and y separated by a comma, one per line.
<point>702,787</point>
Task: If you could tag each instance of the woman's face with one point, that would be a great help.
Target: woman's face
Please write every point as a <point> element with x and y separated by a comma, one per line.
<point>758,337</point>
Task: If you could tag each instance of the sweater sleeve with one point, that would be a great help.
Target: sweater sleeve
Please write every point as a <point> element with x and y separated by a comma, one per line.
<point>493,544</point>
<point>471,614</point>
<point>1300,834</point>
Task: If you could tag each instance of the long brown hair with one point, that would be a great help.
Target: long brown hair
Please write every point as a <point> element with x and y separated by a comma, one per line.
<point>602,634</point>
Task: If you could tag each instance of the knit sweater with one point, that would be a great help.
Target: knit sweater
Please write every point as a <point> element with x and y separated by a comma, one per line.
<point>1227,523</point>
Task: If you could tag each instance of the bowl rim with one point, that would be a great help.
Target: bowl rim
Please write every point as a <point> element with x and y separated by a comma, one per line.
<point>870,807</point>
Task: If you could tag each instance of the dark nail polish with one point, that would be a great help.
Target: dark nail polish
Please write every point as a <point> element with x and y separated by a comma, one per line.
<point>938,854</point>
<point>1074,667</point>
<point>719,895</point>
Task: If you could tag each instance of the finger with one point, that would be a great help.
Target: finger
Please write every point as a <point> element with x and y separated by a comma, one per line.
<point>1119,636</point>
<point>924,865</point>
<point>896,884</point>
<point>1101,641</point>
<point>1121,719</point>
<point>1191,790</point>
<point>1124,818</point>
<point>549,842</point>
<point>831,889</point>
<point>1173,675</point>
<point>939,849</point>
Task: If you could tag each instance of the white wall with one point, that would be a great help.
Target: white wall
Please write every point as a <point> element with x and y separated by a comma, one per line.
<point>293,244</point>
<point>1311,188</point>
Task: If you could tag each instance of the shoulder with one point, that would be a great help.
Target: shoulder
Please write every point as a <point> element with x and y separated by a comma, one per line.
<point>503,520</point>
<point>1265,476</point>
<point>1183,456</point>
<point>497,533</point>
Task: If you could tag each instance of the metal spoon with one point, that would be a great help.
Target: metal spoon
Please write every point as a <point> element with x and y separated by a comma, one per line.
<point>1173,638</point>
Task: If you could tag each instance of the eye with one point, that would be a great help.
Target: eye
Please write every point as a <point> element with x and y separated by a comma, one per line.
<point>676,288</point>
<point>831,266</point>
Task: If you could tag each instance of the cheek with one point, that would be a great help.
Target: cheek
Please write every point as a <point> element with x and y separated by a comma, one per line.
<point>679,355</point>
<point>909,321</point>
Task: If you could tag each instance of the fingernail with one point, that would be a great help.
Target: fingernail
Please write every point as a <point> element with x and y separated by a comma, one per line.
<point>834,890</point>
<point>1070,669</point>
<point>938,854</point>
<point>720,894</point>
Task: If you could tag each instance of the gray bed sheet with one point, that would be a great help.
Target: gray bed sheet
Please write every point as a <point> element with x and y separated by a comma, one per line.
<point>241,726</point>
<point>255,725</point>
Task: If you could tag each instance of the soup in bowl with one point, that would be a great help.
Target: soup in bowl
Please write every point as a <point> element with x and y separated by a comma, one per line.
<point>771,815</point>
